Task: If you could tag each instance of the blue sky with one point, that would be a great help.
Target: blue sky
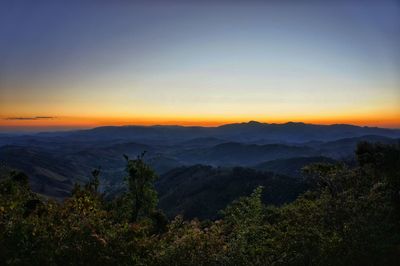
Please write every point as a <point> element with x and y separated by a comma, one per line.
<point>191,62</point>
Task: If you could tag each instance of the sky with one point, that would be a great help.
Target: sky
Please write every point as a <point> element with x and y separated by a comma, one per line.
<point>79,64</point>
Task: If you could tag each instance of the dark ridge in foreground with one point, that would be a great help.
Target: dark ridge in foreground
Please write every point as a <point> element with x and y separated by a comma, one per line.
<point>201,191</point>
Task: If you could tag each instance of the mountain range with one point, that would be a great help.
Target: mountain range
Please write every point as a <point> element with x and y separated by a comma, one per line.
<point>197,160</point>
<point>252,131</point>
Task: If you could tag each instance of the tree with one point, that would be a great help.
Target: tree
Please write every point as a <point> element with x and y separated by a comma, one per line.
<point>141,192</point>
<point>94,182</point>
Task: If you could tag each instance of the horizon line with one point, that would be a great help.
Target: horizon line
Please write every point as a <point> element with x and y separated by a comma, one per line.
<point>35,129</point>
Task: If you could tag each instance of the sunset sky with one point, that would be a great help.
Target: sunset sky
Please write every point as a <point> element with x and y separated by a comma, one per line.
<point>64,64</point>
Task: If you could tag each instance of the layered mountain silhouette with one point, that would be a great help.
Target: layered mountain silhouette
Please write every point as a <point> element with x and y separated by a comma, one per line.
<point>198,160</point>
<point>239,132</point>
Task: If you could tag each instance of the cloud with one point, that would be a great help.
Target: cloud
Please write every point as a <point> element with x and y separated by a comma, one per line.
<point>30,118</point>
<point>45,117</point>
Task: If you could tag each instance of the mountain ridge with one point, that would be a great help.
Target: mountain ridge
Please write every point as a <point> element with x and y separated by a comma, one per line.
<point>240,132</point>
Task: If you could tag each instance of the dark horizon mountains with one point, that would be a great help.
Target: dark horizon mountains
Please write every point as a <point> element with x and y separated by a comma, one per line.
<point>253,131</point>
<point>268,154</point>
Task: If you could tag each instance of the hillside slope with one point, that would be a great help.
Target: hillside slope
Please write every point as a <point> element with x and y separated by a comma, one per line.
<point>201,191</point>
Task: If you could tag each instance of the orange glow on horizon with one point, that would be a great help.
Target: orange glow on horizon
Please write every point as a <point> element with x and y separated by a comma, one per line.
<point>66,122</point>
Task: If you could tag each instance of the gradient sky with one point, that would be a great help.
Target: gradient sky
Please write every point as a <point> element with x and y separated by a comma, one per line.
<point>67,64</point>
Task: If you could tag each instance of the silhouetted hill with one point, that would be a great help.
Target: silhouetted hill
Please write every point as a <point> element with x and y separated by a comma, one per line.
<point>49,175</point>
<point>292,166</point>
<point>344,148</point>
<point>202,142</point>
<point>241,154</point>
<point>201,191</point>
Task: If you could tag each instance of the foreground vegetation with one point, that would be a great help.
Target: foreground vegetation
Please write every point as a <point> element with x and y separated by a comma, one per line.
<point>349,217</point>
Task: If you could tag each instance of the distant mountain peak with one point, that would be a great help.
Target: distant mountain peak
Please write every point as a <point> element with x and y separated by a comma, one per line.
<point>295,123</point>
<point>253,122</point>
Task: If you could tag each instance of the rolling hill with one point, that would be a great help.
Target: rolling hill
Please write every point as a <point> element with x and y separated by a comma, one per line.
<point>292,166</point>
<point>201,191</point>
